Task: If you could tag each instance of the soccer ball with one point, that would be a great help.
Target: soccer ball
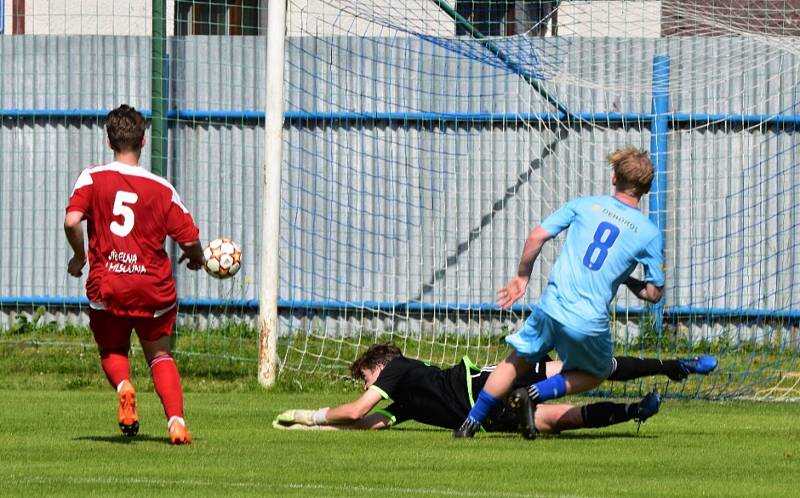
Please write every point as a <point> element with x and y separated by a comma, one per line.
<point>223,258</point>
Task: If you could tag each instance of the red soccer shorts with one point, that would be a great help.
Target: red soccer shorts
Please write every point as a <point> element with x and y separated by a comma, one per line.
<point>113,332</point>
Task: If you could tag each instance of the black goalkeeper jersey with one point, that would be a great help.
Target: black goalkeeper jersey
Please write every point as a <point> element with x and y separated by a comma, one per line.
<point>435,396</point>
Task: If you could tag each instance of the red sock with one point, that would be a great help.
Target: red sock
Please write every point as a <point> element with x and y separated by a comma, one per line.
<point>116,367</point>
<point>167,382</point>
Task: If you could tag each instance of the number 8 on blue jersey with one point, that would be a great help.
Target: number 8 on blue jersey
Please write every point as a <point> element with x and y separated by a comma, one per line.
<point>604,238</point>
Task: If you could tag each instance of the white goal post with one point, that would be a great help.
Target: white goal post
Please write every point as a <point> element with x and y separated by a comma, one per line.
<point>271,197</point>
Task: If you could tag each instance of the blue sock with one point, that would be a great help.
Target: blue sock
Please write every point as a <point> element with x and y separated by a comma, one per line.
<point>485,404</point>
<point>552,388</point>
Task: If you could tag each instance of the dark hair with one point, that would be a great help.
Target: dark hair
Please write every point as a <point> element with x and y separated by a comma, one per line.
<point>125,127</point>
<point>375,355</point>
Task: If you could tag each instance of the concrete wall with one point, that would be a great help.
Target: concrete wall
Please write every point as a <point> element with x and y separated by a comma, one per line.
<point>132,17</point>
<point>89,17</point>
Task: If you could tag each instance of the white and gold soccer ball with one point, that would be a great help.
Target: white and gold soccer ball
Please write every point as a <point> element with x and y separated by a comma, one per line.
<point>223,258</point>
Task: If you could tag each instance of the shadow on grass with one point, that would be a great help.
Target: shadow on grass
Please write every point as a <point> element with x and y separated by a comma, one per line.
<point>514,435</point>
<point>605,435</point>
<point>417,429</point>
<point>122,439</point>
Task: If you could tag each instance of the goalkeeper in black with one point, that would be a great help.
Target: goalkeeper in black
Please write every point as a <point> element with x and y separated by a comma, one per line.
<point>443,397</point>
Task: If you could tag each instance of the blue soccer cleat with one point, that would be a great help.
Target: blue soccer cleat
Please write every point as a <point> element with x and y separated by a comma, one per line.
<point>702,365</point>
<point>648,406</point>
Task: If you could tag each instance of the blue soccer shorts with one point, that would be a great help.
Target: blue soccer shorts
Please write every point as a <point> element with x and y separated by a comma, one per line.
<point>589,352</point>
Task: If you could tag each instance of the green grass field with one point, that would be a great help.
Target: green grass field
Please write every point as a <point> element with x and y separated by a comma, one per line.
<point>66,443</point>
<point>58,436</point>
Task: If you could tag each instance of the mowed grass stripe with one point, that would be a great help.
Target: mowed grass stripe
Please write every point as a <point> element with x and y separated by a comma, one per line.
<point>67,443</point>
<point>117,482</point>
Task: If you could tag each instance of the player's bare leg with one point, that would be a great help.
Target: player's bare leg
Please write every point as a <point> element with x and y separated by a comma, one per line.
<point>557,418</point>
<point>502,378</point>
<point>167,383</point>
<point>564,417</point>
<point>579,382</point>
<point>492,394</point>
<point>524,401</point>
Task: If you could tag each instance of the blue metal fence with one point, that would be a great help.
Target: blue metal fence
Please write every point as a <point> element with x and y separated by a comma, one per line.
<point>674,120</point>
<point>659,122</point>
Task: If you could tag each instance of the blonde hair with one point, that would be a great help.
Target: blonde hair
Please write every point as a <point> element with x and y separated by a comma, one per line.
<point>633,170</point>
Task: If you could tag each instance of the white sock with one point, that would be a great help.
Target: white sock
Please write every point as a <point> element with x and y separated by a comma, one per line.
<point>179,419</point>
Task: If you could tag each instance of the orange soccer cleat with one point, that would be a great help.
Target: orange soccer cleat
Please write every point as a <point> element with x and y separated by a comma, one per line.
<point>128,418</point>
<point>178,432</point>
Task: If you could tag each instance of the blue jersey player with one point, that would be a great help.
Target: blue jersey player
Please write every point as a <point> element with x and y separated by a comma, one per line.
<point>607,238</point>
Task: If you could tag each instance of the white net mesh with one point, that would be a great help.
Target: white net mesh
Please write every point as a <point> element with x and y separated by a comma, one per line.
<point>423,141</point>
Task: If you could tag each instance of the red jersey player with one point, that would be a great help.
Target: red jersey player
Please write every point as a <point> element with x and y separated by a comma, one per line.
<point>129,213</point>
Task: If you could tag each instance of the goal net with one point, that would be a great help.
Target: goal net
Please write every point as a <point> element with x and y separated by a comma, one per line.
<point>423,140</point>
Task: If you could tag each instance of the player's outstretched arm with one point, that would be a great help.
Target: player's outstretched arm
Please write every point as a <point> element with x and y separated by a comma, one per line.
<point>644,290</point>
<point>74,232</point>
<point>347,413</point>
<point>515,288</point>
<point>373,421</point>
<point>193,253</point>
<point>355,410</point>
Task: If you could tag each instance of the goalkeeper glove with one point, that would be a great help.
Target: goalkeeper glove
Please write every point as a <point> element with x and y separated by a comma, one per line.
<point>305,417</point>
<point>298,427</point>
